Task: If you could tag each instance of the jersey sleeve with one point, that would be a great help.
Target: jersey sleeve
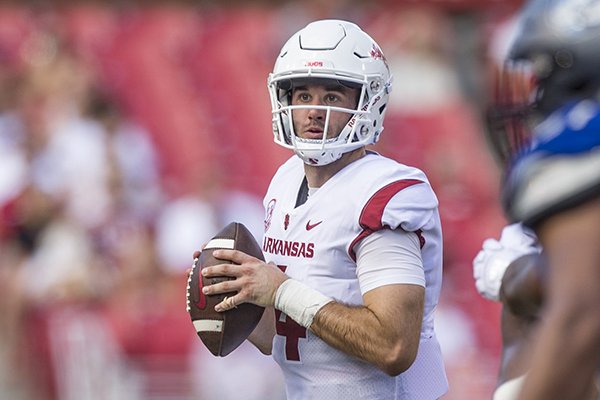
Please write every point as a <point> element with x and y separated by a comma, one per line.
<point>408,203</point>
<point>412,208</point>
<point>389,257</point>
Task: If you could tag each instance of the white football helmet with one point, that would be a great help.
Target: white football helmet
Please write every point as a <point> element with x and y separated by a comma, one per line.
<point>334,50</point>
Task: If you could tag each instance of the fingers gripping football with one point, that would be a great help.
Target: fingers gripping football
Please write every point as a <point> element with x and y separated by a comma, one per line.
<point>222,332</point>
<point>255,281</point>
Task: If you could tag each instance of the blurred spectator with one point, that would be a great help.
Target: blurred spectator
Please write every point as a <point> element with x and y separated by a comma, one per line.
<point>184,225</point>
<point>134,165</point>
<point>146,311</point>
<point>66,151</point>
<point>242,207</point>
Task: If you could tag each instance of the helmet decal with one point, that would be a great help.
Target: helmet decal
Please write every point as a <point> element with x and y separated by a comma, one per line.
<point>377,54</point>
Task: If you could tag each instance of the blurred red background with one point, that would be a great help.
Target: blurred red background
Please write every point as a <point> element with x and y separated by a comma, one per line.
<point>130,133</point>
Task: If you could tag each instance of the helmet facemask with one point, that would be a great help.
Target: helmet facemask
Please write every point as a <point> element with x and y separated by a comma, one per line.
<point>359,130</point>
<point>512,114</point>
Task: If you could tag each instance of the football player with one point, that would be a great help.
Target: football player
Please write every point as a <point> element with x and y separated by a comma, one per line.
<point>353,239</point>
<point>551,82</point>
<point>511,270</point>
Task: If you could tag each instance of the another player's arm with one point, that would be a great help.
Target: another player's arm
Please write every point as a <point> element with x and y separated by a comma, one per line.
<point>571,321</point>
<point>521,293</point>
<point>511,270</point>
<point>516,345</point>
<point>522,289</point>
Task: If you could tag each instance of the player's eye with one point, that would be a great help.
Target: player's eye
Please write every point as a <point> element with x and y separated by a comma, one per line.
<point>303,97</point>
<point>331,99</point>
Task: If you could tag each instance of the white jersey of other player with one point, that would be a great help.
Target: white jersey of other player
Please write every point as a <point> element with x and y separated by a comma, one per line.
<point>315,243</point>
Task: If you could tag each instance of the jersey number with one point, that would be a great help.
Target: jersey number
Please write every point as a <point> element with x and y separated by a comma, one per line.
<point>291,330</point>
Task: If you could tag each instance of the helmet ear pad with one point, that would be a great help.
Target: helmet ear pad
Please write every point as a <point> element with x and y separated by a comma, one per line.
<point>333,50</point>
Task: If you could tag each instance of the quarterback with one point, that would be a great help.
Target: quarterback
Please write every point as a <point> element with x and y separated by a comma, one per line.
<point>352,239</point>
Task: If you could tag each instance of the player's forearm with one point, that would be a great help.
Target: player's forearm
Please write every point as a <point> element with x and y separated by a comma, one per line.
<point>359,332</point>
<point>516,345</point>
<point>565,359</point>
<point>567,352</point>
<point>522,286</point>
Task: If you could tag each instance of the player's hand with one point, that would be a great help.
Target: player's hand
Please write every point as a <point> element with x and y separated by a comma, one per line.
<point>491,262</point>
<point>255,281</point>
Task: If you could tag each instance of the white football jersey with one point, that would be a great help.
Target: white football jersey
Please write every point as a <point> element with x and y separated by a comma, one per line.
<point>313,243</point>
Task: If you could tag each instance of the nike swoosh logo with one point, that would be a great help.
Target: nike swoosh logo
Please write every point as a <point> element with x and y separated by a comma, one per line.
<point>309,226</point>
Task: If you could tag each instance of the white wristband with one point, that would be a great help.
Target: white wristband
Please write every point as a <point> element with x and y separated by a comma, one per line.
<point>299,302</point>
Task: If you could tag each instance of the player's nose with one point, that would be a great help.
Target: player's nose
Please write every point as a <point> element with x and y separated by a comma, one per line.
<point>315,113</point>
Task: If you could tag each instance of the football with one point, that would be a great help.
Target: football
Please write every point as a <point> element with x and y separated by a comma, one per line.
<point>222,332</point>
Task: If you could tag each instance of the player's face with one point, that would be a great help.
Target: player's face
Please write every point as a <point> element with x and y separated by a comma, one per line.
<point>310,123</point>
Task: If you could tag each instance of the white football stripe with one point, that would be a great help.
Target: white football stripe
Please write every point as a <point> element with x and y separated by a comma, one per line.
<point>208,325</point>
<point>220,244</point>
